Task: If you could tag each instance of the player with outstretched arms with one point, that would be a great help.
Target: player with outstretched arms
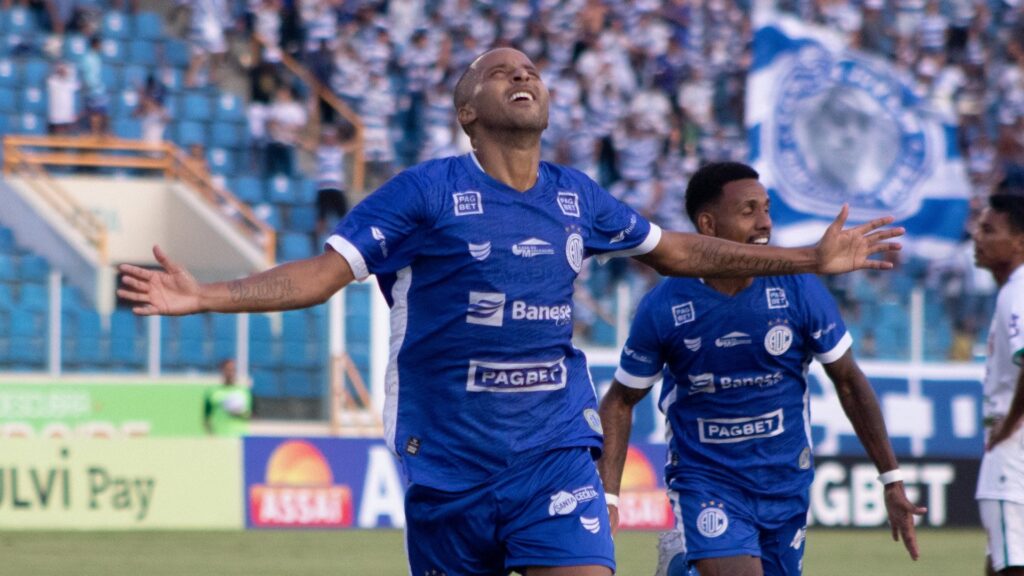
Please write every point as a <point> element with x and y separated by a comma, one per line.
<point>999,248</point>
<point>734,354</point>
<point>488,404</point>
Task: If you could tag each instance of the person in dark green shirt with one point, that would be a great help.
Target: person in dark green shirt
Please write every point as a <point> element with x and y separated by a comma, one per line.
<point>227,408</point>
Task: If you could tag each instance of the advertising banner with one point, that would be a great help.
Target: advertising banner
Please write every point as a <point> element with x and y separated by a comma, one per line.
<point>138,483</point>
<point>322,483</point>
<point>72,408</point>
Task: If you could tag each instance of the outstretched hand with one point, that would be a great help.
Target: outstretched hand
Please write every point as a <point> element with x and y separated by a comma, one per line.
<point>901,517</point>
<point>843,250</point>
<point>172,291</point>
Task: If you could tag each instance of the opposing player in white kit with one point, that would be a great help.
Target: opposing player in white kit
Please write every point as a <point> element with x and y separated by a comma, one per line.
<point>999,248</point>
<point>489,405</point>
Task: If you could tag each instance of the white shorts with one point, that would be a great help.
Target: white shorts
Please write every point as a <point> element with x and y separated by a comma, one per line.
<point>1001,476</point>
<point>1004,522</point>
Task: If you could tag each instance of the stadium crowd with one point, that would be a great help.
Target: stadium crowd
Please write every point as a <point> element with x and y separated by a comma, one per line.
<point>643,93</point>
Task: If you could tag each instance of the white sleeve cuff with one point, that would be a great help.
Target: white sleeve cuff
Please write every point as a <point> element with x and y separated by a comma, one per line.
<point>649,243</point>
<point>837,351</point>
<point>350,253</point>
<point>638,382</point>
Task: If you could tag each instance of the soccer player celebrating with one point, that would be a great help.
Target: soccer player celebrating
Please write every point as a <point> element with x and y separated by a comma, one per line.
<point>999,248</point>
<point>488,403</point>
<point>734,353</point>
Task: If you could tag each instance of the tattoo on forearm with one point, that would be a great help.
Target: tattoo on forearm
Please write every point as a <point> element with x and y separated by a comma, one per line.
<point>724,258</point>
<point>262,291</point>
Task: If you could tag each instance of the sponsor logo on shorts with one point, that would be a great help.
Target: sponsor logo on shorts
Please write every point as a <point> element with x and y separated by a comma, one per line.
<point>565,502</point>
<point>778,339</point>
<point>532,247</point>
<point>625,231</point>
<point>692,344</point>
<point>683,313</point>
<point>480,251</point>
<point>798,538</point>
<point>574,251</point>
<point>486,308</point>
<point>569,203</point>
<point>516,376</point>
<point>592,525</point>
<point>468,203</point>
<point>729,430</point>
<point>732,339</point>
<point>712,521</point>
<point>776,298</point>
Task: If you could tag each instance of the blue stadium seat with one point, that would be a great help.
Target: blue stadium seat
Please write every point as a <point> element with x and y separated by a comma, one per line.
<point>33,100</point>
<point>113,51</point>
<point>249,189</point>
<point>230,107</point>
<point>33,268</point>
<point>7,244</point>
<point>27,323</point>
<point>33,297</point>
<point>192,338</point>
<point>35,72</point>
<point>142,51</point>
<point>280,190</point>
<point>221,161</point>
<point>301,218</point>
<point>123,103</point>
<point>294,246</point>
<point>75,46</point>
<point>6,298</point>
<point>270,214</point>
<point>302,384</point>
<point>196,106</point>
<point>176,53</point>
<point>17,20</point>
<point>10,74</point>
<point>128,128</point>
<point>8,101</point>
<point>148,25</point>
<point>227,134</point>
<point>134,76</point>
<point>263,352</point>
<point>189,133</point>
<point>266,383</point>
<point>28,123</point>
<point>28,353</point>
<point>111,77</point>
<point>305,190</point>
<point>7,271</point>
<point>127,341</point>
<point>88,347</point>
<point>116,24</point>
<point>172,78</point>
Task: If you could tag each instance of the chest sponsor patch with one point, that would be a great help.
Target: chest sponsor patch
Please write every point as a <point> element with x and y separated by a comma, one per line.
<point>683,313</point>
<point>776,298</point>
<point>468,203</point>
<point>569,204</point>
<point>729,430</point>
<point>516,376</point>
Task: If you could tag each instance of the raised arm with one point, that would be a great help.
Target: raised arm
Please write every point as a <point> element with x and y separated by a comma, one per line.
<point>839,250</point>
<point>861,407</point>
<point>616,412</point>
<point>173,291</point>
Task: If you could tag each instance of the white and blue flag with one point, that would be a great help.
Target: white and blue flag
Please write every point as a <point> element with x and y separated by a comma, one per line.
<point>829,125</point>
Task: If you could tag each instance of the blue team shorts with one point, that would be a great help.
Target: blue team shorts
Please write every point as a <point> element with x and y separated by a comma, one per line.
<point>721,521</point>
<point>545,510</point>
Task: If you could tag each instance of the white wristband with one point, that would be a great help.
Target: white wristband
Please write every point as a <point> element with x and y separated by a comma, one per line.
<point>612,499</point>
<point>894,475</point>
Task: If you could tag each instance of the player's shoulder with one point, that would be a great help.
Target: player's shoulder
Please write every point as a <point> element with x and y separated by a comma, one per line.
<point>796,282</point>
<point>437,173</point>
<point>568,178</point>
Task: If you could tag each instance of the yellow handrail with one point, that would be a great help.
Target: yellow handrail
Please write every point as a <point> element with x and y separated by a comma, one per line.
<point>31,154</point>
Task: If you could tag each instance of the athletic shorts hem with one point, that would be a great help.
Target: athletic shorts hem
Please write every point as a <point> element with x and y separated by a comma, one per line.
<point>693,557</point>
<point>538,562</point>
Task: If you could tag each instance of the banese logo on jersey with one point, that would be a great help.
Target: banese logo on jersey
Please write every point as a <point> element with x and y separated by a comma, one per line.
<point>488,309</point>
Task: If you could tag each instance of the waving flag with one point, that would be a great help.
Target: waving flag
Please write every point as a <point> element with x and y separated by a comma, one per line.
<point>828,125</point>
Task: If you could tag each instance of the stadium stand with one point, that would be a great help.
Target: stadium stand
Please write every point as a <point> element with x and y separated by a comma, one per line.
<point>663,76</point>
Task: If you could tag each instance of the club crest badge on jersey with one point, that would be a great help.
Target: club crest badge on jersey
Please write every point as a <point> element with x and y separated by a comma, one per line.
<point>778,339</point>
<point>574,251</point>
<point>843,129</point>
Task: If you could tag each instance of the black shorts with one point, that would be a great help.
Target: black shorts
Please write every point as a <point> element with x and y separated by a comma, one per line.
<point>330,201</point>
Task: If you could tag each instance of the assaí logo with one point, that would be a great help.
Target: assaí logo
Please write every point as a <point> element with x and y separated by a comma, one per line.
<point>299,491</point>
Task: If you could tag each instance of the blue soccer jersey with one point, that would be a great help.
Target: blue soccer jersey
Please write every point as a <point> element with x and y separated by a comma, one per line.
<point>479,278</point>
<point>735,390</point>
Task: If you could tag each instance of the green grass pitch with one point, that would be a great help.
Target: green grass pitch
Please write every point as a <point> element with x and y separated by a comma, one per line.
<point>382,553</point>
